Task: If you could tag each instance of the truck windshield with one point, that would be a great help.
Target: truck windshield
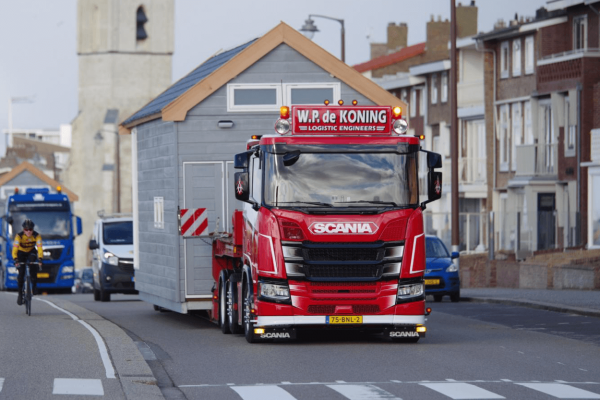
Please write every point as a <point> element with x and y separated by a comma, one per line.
<point>118,232</point>
<point>338,176</point>
<point>50,224</point>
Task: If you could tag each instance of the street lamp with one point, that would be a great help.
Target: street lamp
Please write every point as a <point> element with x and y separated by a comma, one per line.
<point>11,101</point>
<point>309,28</point>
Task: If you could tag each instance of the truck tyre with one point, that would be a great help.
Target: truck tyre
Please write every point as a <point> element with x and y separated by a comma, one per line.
<point>232,314</point>
<point>96,295</point>
<point>247,315</point>
<point>437,298</point>
<point>223,319</point>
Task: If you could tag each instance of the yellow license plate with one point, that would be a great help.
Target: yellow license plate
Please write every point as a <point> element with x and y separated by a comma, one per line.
<point>432,281</point>
<point>43,275</point>
<point>349,319</point>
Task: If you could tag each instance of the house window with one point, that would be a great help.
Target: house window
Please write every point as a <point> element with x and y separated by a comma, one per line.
<point>159,212</point>
<point>311,94</point>
<point>517,132</point>
<point>504,137</point>
<point>516,57</point>
<point>444,87</point>
<point>570,130</point>
<point>548,151</point>
<point>434,89</point>
<point>580,32</point>
<point>403,95</point>
<point>413,102</point>
<point>529,55</point>
<point>421,102</point>
<point>504,60</point>
<point>527,123</point>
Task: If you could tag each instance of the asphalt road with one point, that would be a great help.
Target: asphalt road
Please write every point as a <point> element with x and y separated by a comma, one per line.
<point>472,351</point>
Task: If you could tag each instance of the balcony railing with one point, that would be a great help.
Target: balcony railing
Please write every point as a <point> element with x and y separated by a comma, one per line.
<point>537,159</point>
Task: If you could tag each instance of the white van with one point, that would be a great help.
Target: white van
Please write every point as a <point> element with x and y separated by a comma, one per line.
<point>112,255</point>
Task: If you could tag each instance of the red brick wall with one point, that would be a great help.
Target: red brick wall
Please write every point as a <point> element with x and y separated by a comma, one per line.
<point>596,119</point>
<point>556,39</point>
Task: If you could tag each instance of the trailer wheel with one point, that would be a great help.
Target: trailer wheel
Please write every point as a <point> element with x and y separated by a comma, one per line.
<point>223,320</point>
<point>232,314</point>
<point>248,324</point>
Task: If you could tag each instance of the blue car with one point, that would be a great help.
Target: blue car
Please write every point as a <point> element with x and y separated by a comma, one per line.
<point>441,274</point>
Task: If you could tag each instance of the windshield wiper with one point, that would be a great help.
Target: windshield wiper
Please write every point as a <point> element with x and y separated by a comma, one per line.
<point>390,203</point>
<point>315,203</point>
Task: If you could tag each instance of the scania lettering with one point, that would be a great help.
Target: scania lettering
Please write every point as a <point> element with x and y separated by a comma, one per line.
<point>53,217</point>
<point>330,235</point>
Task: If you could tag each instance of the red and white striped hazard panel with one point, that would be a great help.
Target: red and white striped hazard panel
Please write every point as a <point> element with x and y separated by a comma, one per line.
<point>194,222</point>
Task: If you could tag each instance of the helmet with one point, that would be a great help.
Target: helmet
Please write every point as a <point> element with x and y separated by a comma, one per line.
<point>28,224</point>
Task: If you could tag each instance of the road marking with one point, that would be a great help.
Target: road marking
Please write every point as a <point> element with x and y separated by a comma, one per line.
<point>110,372</point>
<point>462,391</point>
<point>505,380</point>
<point>1,383</point>
<point>561,391</point>
<point>363,392</point>
<point>90,387</point>
<point>262,393</point>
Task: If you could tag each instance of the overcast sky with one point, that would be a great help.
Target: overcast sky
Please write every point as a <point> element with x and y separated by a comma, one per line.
<point>38,55</point>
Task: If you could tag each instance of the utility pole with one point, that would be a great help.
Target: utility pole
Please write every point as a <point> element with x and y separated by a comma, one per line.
<point>454,129</point>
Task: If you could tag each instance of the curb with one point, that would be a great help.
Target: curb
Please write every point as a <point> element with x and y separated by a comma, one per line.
<point>535,304</point>
<point>132,371</point>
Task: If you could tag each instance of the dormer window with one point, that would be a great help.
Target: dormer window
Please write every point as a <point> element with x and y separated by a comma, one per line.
<point>141,19</point>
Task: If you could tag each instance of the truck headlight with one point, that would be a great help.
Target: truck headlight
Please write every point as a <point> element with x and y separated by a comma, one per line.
<point>274,291</point>
<point>452,268</point>
<point>12,270</point>
<point>407,291</point>
<point>67,270</point>
<point>113,260</point>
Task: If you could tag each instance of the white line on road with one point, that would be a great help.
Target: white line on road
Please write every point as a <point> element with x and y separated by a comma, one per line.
<point>462,391</point>
<point>561,391</point>
<point>1,383</point>
<point>88,387</point>
<point>262,393</point>
<point>110,372</point>
<point>363,392</point>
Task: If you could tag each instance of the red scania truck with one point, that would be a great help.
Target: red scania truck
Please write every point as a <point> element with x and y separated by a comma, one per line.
<point>331,233</point>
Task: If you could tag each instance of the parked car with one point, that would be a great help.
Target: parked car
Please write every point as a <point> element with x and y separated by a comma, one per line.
<point>441,273</point>
<point>84,279</point>
<point>112,256</point>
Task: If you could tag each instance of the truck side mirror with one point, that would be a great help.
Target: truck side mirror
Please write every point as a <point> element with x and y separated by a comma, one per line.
<point>434,185</point>
<point>93,245</point>
<point>79,228</point>
<point>434,160</point>
<point>242,188</point>
<point>241,160</point>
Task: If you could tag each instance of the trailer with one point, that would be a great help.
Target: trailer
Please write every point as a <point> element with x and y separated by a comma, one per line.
<point>331,231</point>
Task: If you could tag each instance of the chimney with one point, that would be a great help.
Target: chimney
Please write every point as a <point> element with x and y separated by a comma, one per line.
<point>378,50</point>
<point>499,24</point>
<point>397,36</point>
<point>438,36</point>
<point>466,20</point>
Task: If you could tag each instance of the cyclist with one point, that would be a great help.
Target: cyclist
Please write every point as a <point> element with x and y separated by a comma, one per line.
<point>24,249</point>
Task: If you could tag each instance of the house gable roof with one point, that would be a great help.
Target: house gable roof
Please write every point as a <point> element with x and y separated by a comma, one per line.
<point>384,61</point>
<point>202,86</point>
<point>25,166</point>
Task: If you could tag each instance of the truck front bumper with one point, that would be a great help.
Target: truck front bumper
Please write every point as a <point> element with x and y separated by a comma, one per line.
<point>317,320</point>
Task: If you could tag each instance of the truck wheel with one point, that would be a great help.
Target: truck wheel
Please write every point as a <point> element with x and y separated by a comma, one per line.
<point>437,298</point>
<point>232,314</point>
<point>223,320</point>
<point>96,295</point>
<point>247,316</point>
<point>104,297</point>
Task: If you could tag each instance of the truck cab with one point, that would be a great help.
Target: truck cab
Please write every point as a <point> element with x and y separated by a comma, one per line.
<point>112,255</point>
<point>332,228</point>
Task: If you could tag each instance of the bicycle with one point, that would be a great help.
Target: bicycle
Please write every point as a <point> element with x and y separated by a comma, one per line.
<point>28,289</point>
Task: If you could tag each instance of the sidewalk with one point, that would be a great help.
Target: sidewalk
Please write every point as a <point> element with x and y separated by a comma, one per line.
<point>581,302</point>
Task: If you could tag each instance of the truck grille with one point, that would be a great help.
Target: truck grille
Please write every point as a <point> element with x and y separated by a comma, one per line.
<point>52,270</point>
<point>356,309</point>
<point>346,252</point>
<point>53,253</point>
<point>343,271</point>
<point>342,287</point>
<point>126,265</point>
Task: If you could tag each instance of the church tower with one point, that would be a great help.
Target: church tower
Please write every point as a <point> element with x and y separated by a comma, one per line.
<point>125,50</point>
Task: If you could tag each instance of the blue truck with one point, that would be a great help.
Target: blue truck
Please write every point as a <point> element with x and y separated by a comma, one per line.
<point>53,217</point>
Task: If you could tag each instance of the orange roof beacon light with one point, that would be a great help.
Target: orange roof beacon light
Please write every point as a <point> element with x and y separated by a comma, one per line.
<point>341,102</point>
<point>354,102</point>
<point>421,137</point>
<point>284,112</point>
<point>59,189</point>
<point>397,111</point>
<point>16,190</point>
<point>326,102</point>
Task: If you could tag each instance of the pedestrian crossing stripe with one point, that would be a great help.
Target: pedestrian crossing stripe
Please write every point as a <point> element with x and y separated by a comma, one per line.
<point>450,388</point>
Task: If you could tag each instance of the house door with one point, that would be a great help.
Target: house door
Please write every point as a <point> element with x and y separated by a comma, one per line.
<point>546,221</point>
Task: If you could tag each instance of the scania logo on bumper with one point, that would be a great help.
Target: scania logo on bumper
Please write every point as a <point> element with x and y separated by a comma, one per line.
<point>348,228</point>
<point>275,335</point>
<point>404,334</point>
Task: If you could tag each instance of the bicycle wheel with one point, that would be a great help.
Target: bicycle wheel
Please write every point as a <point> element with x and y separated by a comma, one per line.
<point>28,296</point>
